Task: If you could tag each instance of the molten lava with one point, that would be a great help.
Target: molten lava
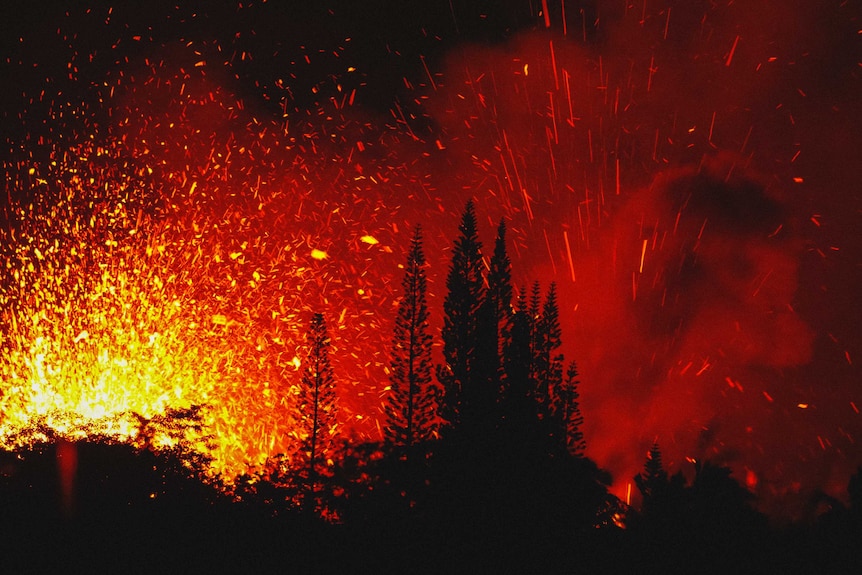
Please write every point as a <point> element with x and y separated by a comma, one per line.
<point>146,270</point>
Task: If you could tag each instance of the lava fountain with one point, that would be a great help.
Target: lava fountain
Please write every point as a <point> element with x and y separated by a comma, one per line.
<point>153,263</point>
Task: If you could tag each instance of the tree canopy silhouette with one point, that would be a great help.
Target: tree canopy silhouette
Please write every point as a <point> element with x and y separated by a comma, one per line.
<point>495,324</point>
<point>317,399</point>
<point>567,413</point>
<point>464,298</point>
<point>411,408</point>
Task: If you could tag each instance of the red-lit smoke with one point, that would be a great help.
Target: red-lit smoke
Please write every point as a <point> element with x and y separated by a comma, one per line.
<point>670,174</point>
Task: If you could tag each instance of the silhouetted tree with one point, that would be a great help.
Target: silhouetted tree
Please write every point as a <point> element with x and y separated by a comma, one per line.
<point>317,407</point>
<point>465,287</point>
<point>495,323</point>
<point>500,286</point>
<point>568,413</point>
<point>535,313</point>
<point>652,481</point>
<point>499,301</point>
<point>518,403</point>
<point>411,411</point>
<point>533,308</point>
<point>662,502</point>
<point>549,362</point>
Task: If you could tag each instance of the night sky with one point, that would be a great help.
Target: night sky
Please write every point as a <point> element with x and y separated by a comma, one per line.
<point>687,172</point>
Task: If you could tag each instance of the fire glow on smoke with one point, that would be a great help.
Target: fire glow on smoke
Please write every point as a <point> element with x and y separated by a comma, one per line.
<point>680,170</point>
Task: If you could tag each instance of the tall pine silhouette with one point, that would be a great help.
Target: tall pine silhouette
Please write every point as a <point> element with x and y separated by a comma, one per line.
<point>534,315</point>
<point>495,325</point>
<point>411,411</point>
<point>652,482</point>
<point>317,407</point>
<point>549,362</point>
<point>465,294</point>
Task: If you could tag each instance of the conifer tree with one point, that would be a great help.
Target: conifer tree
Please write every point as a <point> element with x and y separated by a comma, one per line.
<point>411,408</point>
<point>519,405</point>
<point>495,323</point>
<point>317,400</point>
<point>549,362</point>
<point>568,412</point>
<point>653,480</point>
<point>523,355</point>
<point>500,290</point>
<point>533,309</point>
<point>465,294</point>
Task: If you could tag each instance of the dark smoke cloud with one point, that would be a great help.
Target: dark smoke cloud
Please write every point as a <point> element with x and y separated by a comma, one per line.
<point>696,160</point>
<point>704,327</point>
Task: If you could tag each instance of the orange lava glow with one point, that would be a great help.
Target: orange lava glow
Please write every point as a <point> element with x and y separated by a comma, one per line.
<point>142,273</point>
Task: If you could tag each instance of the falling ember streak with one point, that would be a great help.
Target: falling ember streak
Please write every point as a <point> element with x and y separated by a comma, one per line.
<point>761,283</point>
<point>643,255</point>
<point>732,51</point>
<point>569,255</point>
<point>702,228</point>
<point>556,76</point>
<point>428,73</point>
<point>734,384</point>
<point>563,16</point>
<point>702,370</point>
<point>545,14</point>
<point>666,24</point>
<point>571,119</point>
<point>527,206</point>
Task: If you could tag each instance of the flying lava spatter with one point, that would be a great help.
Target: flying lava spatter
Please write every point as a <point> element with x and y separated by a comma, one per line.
<point>159,264</point>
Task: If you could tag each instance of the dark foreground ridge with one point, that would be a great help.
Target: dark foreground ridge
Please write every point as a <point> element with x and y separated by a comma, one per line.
<point>472,507</point>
